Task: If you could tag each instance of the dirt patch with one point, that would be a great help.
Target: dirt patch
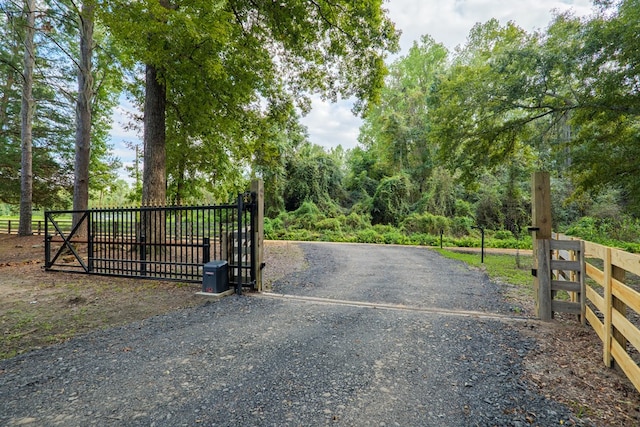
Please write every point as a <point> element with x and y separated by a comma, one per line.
<point>567,366</point>
<point>40,308</point>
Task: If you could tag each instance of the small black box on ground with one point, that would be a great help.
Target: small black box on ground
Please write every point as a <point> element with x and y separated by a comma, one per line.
<point>215,278</point>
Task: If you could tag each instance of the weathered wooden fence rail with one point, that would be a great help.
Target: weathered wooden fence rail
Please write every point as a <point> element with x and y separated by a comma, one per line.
<point>10,226</point>
<point>611,304</point>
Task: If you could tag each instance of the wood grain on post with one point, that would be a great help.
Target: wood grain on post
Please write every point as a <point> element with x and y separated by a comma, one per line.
<point>541,221</point>
<point>619,274</point>
<point>606,339</point>
<point>543,280</point>
<point>541,206</point>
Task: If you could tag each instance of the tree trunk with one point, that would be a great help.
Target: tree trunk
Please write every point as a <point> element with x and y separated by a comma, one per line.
<point>154,181</point>
<point>83,115</point>
<point>26,115</point>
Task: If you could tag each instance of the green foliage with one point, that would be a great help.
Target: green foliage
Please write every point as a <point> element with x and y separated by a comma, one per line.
<point>489,206</point>
<point>234,73</point>
<point>503,235</point>
<point>396,130</point>
<point>441,193</point>
<point>389,204</point>
<point>463,208</point>
<point>329,224</point>
<point>369,236</point>
<point>307,216</point>
<point>426,223</point>
<point>621,233</point>
<point>312,175</point>
<point>456,135</point>
<point>461,225</point>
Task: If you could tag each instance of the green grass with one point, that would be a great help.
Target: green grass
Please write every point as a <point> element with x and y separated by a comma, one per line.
<point>498,267</point>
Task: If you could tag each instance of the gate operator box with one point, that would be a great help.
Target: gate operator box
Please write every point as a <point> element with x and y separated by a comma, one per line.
<point>215,277</point>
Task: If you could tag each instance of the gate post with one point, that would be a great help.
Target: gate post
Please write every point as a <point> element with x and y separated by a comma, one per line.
<point>257,188</point>
<point>541,219</point>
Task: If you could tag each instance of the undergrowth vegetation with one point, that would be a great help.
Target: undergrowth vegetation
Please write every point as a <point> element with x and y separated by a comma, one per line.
<point>622,232</point>
<point>308,223</point>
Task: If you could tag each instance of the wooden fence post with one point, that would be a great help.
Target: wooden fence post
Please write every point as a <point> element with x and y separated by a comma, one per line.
<point>543,277</point>
<point>606,339</point>
<point>257,187</point>
<point>541,221</point>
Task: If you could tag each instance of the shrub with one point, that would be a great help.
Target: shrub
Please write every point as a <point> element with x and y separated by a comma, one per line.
<point>307,215</point>
<point>356,221</point>
<point>461,226</point>
<point>382,228</point>
<point>300,234</point>
<point>369,236</point>
<point>585,228</point>
<point>424,239</point>
<point>269,232</point>
<point>332,224</point>
<point>395,237</point>
<point>426,223</point>
<point>503,235</point>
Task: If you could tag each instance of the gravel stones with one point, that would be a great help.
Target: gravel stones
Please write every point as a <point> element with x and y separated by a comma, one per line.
<point>252,360</point>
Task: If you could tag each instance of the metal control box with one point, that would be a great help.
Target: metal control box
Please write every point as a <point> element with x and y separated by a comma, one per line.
<point>215,277</point>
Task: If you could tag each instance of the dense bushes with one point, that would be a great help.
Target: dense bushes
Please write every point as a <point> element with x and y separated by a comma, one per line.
<point>622,232</point>
<point>426,223</point>
<point>358,196</point>
<point>310,224</point>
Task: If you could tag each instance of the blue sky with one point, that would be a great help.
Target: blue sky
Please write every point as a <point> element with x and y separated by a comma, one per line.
<point>447,21</point>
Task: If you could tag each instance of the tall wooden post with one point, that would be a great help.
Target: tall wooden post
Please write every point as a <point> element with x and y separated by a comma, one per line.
<point>257,187</point>
<point>541,221</point>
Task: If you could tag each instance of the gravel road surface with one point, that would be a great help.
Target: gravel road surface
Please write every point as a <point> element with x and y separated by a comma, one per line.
<point>366,336</point>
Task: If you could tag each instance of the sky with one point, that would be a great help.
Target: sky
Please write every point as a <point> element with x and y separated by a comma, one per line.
<point>447,21</point>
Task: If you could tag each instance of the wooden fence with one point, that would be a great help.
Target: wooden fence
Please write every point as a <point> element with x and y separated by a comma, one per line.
<point>613,307</point>
<point>10,226</point>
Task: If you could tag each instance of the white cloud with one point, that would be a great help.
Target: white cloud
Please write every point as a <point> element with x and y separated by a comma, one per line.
<point>449,22</point>
<point>331,125</point>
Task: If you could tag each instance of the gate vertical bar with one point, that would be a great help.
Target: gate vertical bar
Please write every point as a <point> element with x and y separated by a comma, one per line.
<point>257,187</point>
<point>47,242</point>
<point>239,244</point>
<point>90,234</point>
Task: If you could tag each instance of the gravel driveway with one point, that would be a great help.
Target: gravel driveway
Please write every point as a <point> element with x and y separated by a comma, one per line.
<point>366,336</point>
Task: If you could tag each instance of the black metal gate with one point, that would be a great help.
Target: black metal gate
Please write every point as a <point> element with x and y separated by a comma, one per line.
<point>165,243</point>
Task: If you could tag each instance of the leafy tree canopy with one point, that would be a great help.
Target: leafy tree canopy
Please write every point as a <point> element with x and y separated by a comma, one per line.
<point>231,68</point>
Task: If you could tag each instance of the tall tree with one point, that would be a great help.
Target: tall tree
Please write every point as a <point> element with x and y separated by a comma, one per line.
<point>606,152</point>
<point>213,63</point>
<point>84,100</point>
<point>571,93</point>
<point>26,114</point>
<point>488,98</point>
<point>397,129</point>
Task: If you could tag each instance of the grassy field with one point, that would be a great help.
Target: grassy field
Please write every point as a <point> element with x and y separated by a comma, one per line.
<point>502,267</point>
